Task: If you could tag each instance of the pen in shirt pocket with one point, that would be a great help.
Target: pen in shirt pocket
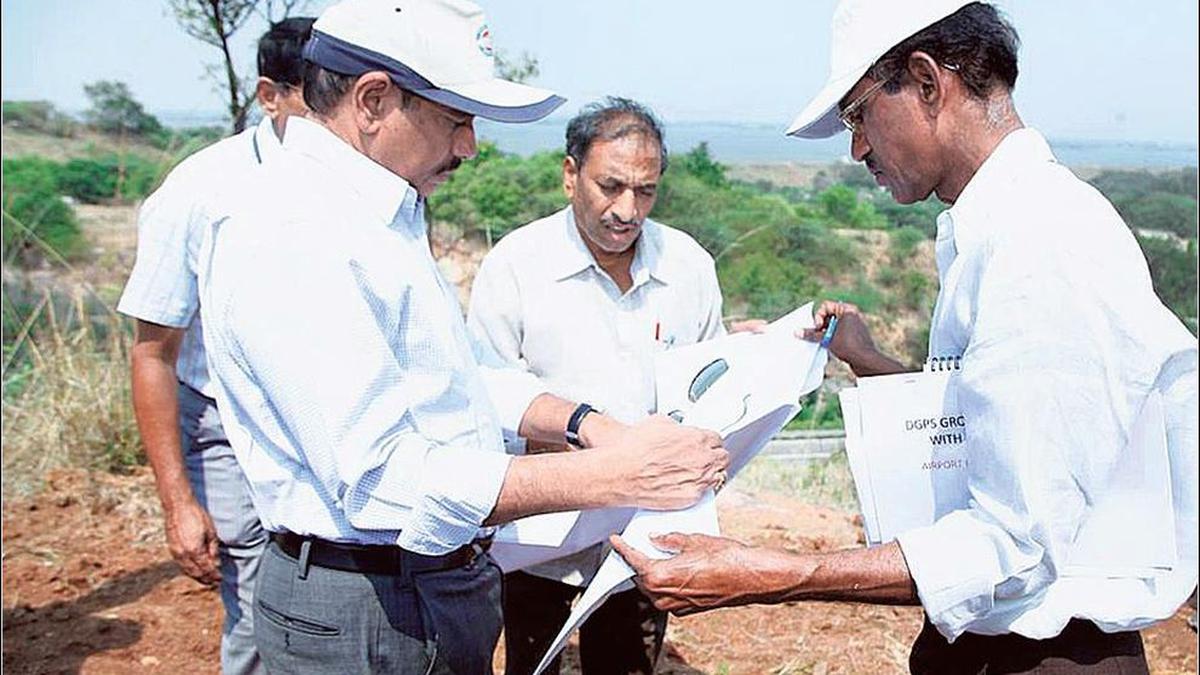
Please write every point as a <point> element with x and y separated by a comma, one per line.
<point>658,338</point>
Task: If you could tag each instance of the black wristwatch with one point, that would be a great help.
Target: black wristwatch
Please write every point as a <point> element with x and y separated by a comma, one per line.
<point>574,422</point>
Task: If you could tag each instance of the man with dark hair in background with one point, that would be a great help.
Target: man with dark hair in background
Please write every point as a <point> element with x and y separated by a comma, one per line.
<point>211,526</point>
<point>1046,297</point>
<point>613,288</point>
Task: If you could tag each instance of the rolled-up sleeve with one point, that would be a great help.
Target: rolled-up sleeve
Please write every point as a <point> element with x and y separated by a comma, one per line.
<point>162,285</point>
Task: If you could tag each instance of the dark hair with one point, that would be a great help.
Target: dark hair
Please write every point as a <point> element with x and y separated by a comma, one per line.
<point>976,41</point>
<point>280,50</point>
<point>610,119</point>
<point>323,89</point>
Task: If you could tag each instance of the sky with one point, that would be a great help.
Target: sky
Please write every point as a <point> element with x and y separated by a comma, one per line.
<point>1090,69</point>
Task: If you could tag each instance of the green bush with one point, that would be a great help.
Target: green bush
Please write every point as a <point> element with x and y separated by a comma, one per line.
<point>904,241</point>
<point>35,216</point>
<point>1173,270</point>
<point>115,111</point>
<point>187,140</point>
<point>862,293</point>
<point>699,163</point>
<point>769,286</point>
<point>38,116</point>
<point>818,410</point>
<point>920,216</point>
<point>1115,183</point>
<point>497,192</point>
<point>106,178</point>
<point>1162,211</point>
<point>841,205</point>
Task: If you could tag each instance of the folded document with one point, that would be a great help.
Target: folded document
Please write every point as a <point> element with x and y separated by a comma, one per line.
<point>905,443</point>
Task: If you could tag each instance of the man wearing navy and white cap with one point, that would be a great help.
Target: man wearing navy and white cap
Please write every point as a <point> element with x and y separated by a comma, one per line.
<point>369,433</point>
<point>1046,297</point>
<point>210,524</point>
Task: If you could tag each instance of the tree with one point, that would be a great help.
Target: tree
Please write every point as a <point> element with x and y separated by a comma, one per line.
<point>214,22</point>
<point>115,111</point>
<point>700,163</point>
<point>521,69</point>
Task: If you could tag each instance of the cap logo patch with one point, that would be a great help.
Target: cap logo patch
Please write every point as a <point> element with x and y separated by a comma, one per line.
<point>483,39</point>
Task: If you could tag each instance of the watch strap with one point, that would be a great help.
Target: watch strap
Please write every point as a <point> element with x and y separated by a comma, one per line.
<point>575,421</point>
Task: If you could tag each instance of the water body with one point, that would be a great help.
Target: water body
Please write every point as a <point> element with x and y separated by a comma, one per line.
<point>734,143</point>
<point>754,144</point>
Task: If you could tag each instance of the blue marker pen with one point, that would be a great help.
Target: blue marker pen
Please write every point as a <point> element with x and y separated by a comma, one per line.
<point>828,337</point>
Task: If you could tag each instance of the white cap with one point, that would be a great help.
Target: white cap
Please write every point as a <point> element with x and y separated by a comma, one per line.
<point>862,32</point>
<point>437,49</point>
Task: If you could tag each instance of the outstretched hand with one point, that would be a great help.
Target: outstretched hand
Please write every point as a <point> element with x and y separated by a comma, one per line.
<point>705,573</point>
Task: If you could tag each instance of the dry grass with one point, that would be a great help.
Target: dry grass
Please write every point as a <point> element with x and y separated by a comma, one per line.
<point>825,482</point>
<point>21,142</point>
<point>66,399</point>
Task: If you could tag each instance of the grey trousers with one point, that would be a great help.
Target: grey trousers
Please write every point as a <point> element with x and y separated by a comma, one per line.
<point>221,489</point>
<point>320,621</point>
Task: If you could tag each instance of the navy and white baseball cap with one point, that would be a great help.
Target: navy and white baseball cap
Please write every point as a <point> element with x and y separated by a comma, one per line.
<point>440,50</point>
<point>862,32</point>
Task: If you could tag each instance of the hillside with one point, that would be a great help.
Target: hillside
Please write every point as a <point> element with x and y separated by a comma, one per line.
<point>19,142</point>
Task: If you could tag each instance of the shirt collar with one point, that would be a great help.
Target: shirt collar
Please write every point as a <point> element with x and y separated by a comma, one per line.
<point>648,261</point>
<point>267,145</point>
<point>381,194</point>
<point>968,220</point>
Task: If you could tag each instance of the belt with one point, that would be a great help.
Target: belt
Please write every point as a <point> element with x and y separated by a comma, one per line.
<point>367,559</point>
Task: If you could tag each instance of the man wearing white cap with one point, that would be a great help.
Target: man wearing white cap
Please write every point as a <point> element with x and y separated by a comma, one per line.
<point>370,437</point>
<point>1046,298</point>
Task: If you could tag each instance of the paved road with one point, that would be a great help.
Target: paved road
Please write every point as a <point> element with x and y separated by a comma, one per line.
<point>804,445</point>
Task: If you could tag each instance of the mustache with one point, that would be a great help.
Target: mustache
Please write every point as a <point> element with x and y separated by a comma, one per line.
<point>450,165</point>
<point>613,219</point>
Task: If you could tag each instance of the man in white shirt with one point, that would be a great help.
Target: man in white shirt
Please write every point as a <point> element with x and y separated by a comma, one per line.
<point>1046,297</point>
<point>612,289</point>
<point>212,530</point>
<point>370,436</point>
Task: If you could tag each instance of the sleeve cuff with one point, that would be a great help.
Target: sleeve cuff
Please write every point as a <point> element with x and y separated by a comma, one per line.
<point>152,313</point>
<point>459,489</point>
<point>953,567</point>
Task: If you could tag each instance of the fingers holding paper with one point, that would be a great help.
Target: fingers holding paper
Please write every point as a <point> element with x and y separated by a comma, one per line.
<point>705,573</point>
<point>672,465</point>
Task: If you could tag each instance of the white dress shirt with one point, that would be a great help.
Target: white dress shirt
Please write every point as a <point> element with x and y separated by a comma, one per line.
<point>171,224</point>
<point>543,304</point>
<point>346,381</point>
<point>1046,295</point>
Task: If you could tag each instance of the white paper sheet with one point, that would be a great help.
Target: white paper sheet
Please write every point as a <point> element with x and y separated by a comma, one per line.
<point>856,457</point>
<point>756,396</point>
<point>538,539</point>
<point>917,464</point>
<point>760,378</point>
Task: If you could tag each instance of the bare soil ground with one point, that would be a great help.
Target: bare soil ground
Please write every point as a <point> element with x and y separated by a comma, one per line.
<point>89,588</point>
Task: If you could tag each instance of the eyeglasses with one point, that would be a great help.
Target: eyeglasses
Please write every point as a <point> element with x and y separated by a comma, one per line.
<point>851,115</point>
